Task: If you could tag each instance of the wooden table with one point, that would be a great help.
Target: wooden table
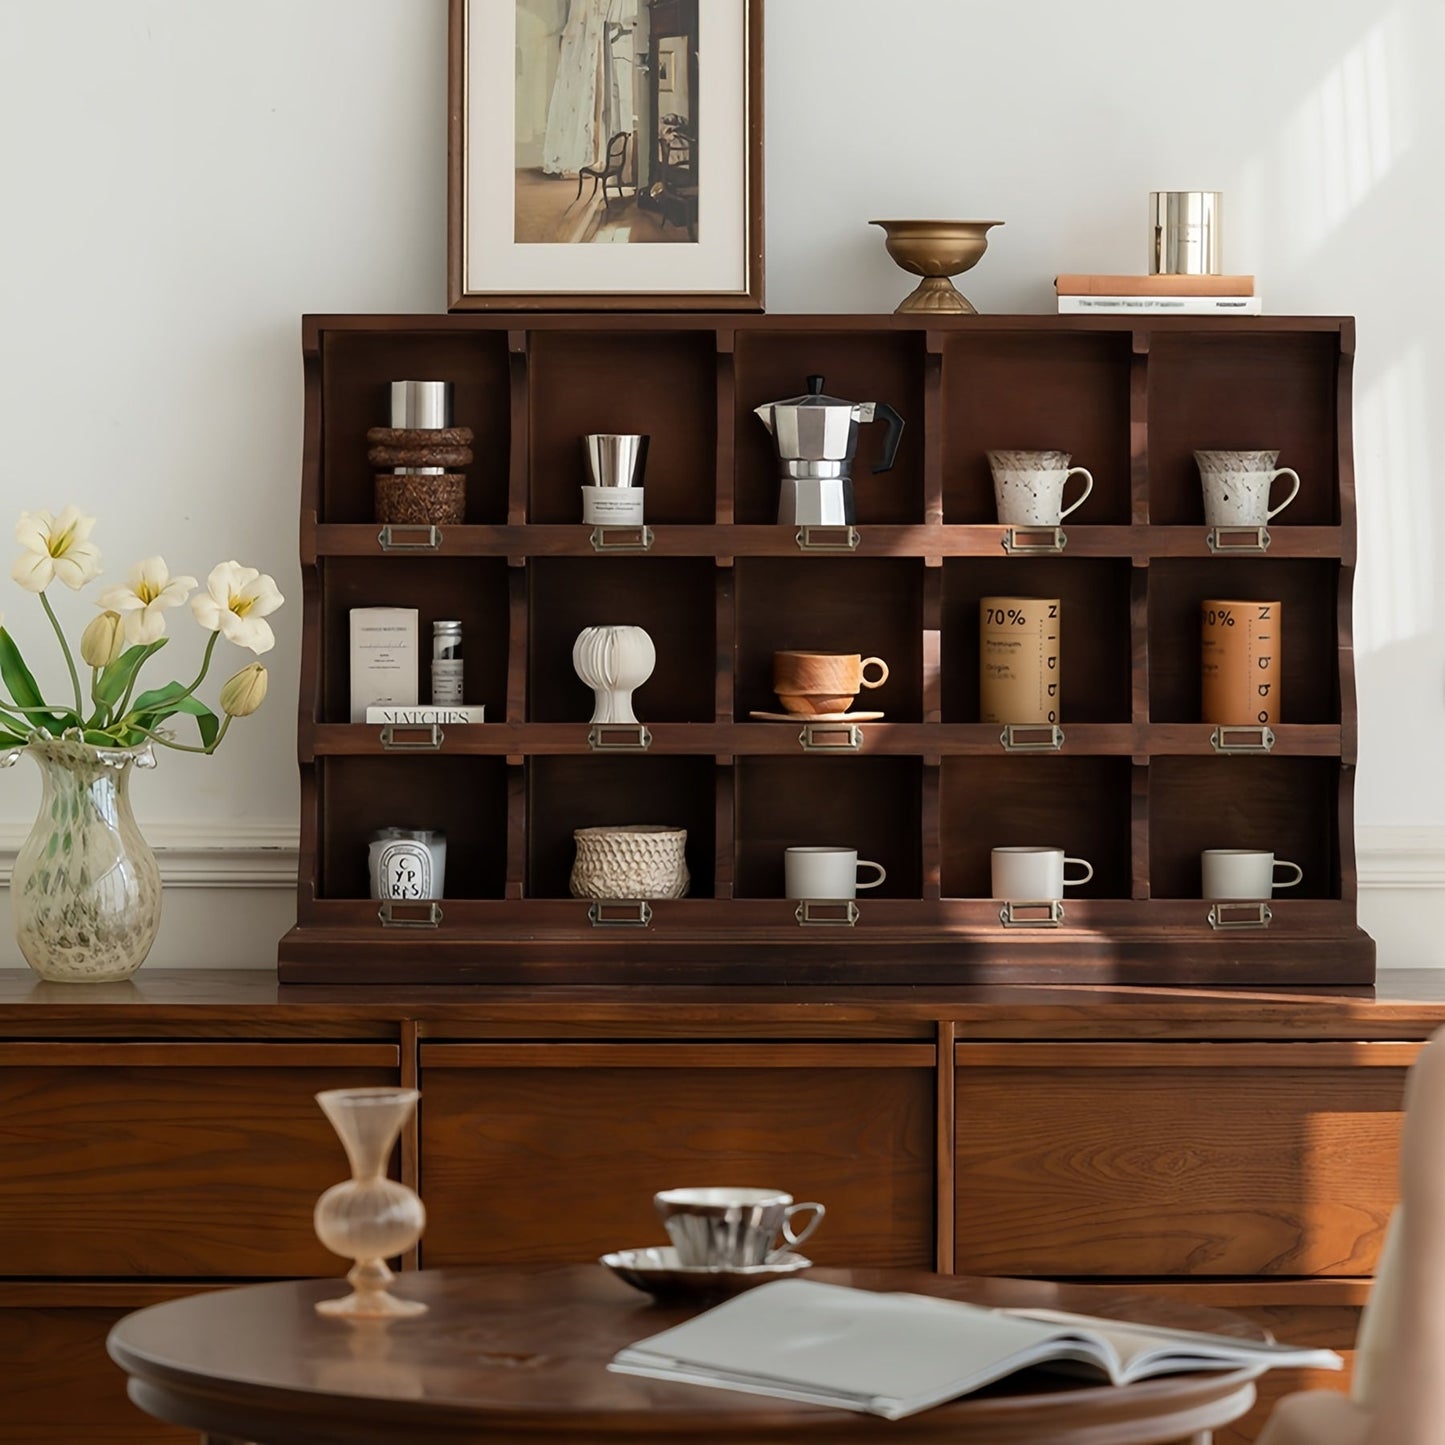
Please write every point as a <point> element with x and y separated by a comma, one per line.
<point>513,1356</point>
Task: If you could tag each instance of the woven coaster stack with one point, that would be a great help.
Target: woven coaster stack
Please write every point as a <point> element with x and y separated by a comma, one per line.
<point>414,495</point>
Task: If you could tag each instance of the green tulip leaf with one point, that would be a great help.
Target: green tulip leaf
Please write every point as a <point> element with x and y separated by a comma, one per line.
<point>206,721</point>
<point>18,678</point>
<point>25,691</point>
<point>113,681</point>
<point>152,708</point>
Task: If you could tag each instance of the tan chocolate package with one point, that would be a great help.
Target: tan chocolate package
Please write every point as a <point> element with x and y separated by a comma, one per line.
<point>1240,662</point>
<point>1018,670</point>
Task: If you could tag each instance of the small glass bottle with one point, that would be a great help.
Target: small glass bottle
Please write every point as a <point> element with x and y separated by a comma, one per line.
<point>446,664</point>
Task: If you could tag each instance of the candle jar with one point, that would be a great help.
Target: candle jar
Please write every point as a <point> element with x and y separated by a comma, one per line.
<point>407,863</point>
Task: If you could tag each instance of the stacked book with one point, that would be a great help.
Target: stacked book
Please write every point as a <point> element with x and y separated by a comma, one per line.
<point>1160,295</point>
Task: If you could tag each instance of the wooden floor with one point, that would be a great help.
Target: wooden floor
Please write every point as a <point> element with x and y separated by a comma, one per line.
<point>548,210</point>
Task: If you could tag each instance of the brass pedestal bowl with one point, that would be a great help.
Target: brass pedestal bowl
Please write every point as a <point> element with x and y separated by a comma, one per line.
<point>936,250</point>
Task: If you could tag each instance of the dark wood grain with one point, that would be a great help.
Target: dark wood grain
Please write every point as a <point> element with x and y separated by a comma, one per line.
<point>1123,1160</point>
<point>135,1169</point>
<point>542,1340</point>
<point>567,1165</point>
<point>60,1386</point>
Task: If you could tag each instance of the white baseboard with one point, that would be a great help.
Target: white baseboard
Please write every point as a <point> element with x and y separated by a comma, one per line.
<point>1391,857</point>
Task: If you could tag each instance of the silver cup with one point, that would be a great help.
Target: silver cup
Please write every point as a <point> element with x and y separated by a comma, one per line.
<point>728,1228</point>
<point>615,460</point>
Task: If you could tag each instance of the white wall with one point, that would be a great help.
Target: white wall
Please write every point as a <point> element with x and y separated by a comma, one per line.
<point>181,179</point>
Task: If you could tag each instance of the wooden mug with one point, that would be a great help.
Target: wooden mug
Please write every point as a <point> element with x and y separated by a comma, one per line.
<point>808,683</point>
<point>1240,662</point>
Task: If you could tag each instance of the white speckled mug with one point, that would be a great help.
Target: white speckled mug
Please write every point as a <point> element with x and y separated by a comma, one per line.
<point>1237,485</point>
<point>1028,487</point>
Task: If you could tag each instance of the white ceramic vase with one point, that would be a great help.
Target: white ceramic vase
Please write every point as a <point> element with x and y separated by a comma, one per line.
<point>613,661</point>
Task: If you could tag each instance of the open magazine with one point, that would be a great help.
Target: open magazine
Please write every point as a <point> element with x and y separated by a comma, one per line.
<point>896,1354</point>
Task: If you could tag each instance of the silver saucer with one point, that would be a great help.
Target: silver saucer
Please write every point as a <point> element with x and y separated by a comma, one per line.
<point>655,1270</point>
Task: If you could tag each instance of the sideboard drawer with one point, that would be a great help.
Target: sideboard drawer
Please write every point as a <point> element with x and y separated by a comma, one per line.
<point>552,1152</point>
<point>1176,1159</point>
<point>171,1159</point>
<point>58,1383</point>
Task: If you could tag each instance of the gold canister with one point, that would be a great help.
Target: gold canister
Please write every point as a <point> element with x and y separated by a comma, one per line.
<point>1018,669</point>
<point>1240,662</point>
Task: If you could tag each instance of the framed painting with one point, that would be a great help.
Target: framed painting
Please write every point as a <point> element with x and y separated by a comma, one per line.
<point>605,155</point>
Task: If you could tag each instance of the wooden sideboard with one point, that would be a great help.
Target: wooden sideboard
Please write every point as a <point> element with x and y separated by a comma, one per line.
<point>1232,1147</point>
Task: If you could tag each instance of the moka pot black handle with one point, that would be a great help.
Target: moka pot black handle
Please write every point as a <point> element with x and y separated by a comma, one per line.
<point>882,410</point>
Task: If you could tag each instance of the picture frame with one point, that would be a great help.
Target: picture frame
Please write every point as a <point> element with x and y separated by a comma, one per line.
<point>605,155</point>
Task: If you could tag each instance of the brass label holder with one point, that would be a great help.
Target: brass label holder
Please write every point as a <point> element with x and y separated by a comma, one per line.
<point>409,913</point>
<point>621,539</point>
<point>1238,539</point>
<point>827,539</point>
<point>620,913</point>
<point>1034,541</point>
<point>1031,738</point>
<point>1032,913</point>
<point>1236,740</point>
<point>1240,915</point>
<point>619,738</point>
<point>826,913</point>
<point>412,737</point>
<point>409,537</point>
<point>831,738</point>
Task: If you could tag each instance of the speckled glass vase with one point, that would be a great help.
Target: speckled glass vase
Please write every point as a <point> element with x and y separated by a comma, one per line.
<point>85,889</point>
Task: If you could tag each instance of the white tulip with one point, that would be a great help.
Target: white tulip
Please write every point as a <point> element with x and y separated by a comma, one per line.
<point>55,547</point>
<point>234,602</point>
<point>142,600</point>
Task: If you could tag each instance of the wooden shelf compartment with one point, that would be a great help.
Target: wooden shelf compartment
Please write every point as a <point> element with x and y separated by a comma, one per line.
<point>869,606</point>
<point>1307,589</point>
<point>464,797</point>
<point>1287,806</point>
<point>672,598</point>
<point>873,804</point>
<point>356,371</point>
<point>660,384</point>
<point>566,793</point>
<point>866,365</point>
<point>1050,391</point>
<point>1241,390</point>
<point>1080,804</point>
<point>473,590</point>
<point>1095,642</point>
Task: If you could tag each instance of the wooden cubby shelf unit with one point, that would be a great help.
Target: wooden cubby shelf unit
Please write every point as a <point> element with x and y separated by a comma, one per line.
<point>1136,783</point>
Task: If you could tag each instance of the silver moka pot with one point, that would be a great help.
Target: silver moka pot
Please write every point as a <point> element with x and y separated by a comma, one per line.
<point>816,437</point>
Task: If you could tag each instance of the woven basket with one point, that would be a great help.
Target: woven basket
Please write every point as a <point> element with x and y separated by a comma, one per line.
<point>642,860</point>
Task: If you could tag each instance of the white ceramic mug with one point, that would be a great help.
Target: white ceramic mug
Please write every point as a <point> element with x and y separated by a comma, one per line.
<point>1028,487</point>
<point>826,873</point>
<point>1034,874</point>
<point>1244,873</point>
<point>1237,486</point>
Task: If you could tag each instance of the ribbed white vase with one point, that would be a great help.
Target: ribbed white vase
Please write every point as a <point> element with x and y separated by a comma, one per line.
<point>613,661</point>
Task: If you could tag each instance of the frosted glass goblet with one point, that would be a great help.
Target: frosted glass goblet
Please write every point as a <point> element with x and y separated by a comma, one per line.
<point>369,1218</point>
